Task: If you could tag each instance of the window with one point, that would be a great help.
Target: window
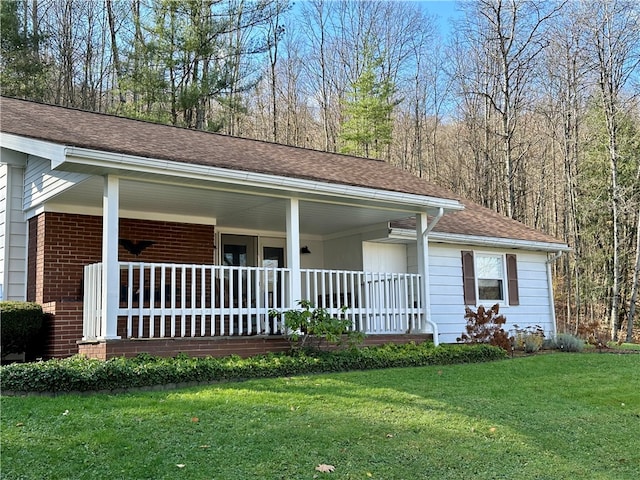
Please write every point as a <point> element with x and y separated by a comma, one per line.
<point>489,278</point>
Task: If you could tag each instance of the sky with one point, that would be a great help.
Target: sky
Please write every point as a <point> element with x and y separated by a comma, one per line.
<point>445,11</point>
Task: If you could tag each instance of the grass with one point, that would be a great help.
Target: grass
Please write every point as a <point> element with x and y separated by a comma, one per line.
<point>552,416</point>
<point>624,346</point>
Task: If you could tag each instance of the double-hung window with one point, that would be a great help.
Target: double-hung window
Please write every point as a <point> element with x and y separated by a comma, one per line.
<point>490,278</point>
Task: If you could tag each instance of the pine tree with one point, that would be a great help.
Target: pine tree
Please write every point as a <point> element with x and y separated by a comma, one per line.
<point>22,73</point>
<point>367,128</point>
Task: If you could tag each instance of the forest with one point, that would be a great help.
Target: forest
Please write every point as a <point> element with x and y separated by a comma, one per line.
<point>528,107</point>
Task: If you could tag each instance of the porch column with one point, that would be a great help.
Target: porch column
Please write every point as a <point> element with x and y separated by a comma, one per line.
<point>110,268</point>
<point>293,250</point>
<point>422,234</point>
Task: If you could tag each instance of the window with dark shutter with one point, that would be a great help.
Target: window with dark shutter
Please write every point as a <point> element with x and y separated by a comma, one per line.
<point>512,279</point>
<point>468,278</point>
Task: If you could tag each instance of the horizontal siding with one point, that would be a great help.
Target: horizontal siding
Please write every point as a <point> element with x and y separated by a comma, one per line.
<point>14,235</point>
<point>447,304</point>
<point>3,224</point>
<point>41,183</point>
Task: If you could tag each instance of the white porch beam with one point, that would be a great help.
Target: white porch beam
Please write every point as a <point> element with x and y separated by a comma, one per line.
<point>110,268</point>
<point>293,249</point>
<point>422,232</point>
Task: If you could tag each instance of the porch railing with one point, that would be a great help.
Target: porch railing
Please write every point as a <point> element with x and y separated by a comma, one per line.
<point>159,300</point>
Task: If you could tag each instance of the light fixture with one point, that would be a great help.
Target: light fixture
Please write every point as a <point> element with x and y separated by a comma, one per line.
<point>305,250</point>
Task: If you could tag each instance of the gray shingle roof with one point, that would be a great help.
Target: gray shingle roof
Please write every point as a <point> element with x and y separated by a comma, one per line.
<point>71,127</point>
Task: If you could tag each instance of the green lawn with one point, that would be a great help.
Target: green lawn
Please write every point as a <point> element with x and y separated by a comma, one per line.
<point>551,416</point>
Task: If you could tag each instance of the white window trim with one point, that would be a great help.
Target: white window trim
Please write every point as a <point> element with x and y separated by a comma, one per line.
<point>505,279</point>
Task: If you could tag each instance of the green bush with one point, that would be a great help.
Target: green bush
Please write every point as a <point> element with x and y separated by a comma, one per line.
<point>567,343</point>
<point>315,328</point>
<point>20,323</point>
<point>81,374</point>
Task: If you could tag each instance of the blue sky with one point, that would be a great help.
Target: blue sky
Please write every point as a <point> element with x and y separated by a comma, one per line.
<point>445,10</point>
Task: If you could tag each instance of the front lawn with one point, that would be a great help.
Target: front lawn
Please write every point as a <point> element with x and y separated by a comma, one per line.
<point>552,416</point>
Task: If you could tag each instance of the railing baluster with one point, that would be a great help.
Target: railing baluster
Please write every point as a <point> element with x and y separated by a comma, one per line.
<point>152,298</point>
<point>163,299</point>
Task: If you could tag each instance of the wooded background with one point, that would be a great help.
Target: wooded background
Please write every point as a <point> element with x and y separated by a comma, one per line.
<point>528,107</point>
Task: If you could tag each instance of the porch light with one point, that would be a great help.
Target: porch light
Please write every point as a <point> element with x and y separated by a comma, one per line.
<point>305,250</point>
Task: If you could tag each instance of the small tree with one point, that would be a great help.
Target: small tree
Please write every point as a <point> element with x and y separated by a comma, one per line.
<point>485,326</point>
<point>316,328</point>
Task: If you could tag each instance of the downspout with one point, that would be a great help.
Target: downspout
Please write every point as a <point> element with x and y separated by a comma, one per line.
<point>426,288</point>
<point>552,306</point>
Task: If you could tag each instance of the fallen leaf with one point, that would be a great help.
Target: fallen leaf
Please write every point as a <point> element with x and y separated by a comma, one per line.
<point>439,372</point>
<point>323,467</point>
<point>19,424</point>
<point>369,474</point>
<point>492,429</point>
<point>205,446</point>
<point>180,465</point>
<point>195,419</point>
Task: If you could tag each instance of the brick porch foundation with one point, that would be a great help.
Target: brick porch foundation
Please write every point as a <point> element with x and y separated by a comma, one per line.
<point>212,346</point>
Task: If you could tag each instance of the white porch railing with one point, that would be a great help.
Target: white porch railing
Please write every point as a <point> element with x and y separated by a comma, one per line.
<point>159,300</point>
<point>377,303</point>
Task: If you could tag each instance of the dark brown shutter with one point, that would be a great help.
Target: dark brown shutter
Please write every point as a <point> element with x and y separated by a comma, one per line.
<point>468,278</point>
<point>512,279</point>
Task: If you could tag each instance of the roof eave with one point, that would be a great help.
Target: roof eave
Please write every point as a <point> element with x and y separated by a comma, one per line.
<point>496,242</point>
<point>95,158</point>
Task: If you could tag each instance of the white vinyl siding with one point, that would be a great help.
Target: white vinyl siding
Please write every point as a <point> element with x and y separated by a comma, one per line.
<point>41,183</point>
<point>446,294</point>
<point>13,234</point>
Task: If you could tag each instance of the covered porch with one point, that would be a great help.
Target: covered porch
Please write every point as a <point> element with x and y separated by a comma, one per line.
<point>261,265</point>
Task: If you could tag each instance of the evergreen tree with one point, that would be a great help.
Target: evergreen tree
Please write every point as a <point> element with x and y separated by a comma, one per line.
<point>367,128</point>
<point>22,72</point>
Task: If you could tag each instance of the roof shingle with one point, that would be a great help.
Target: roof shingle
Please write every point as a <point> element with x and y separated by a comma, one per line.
<point>71,127</point>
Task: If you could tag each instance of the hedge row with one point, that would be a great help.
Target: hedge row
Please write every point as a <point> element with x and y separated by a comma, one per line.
<point>79,374</point>
<point>20,323</point>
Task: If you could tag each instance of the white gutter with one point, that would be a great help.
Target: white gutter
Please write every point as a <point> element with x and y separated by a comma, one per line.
<point>552,307</point>
<point>425,281</point>
<point>497,242</point>
<point>95,158</point>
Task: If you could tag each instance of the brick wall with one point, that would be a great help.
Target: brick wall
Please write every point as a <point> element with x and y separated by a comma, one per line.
<point>215,347</point>
<point>60,245</point>
<point>63,328</point>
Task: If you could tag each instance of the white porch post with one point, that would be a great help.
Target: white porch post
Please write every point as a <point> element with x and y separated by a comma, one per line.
<point>110,268</point>
<point>293,250</point>
<point>422,234</point>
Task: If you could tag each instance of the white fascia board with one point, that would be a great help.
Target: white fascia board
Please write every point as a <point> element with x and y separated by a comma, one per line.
<point>483,241</point>
<point>252,179</point>
<point>51,151</point>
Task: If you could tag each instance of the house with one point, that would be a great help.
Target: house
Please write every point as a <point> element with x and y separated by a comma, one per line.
<point>144,237</point>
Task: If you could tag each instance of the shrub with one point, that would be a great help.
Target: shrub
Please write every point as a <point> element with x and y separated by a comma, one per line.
<point>20,323</point>
<point>568,343</point>
<point>315,328</point>
<point>81,374</point>
<point>485,326</point>
<point>528,339</point>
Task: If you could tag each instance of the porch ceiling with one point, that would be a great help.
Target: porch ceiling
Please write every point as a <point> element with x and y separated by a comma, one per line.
<point>230,209</point>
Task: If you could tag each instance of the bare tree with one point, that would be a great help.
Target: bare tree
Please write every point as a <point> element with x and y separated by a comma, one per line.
<point>614,33</point>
